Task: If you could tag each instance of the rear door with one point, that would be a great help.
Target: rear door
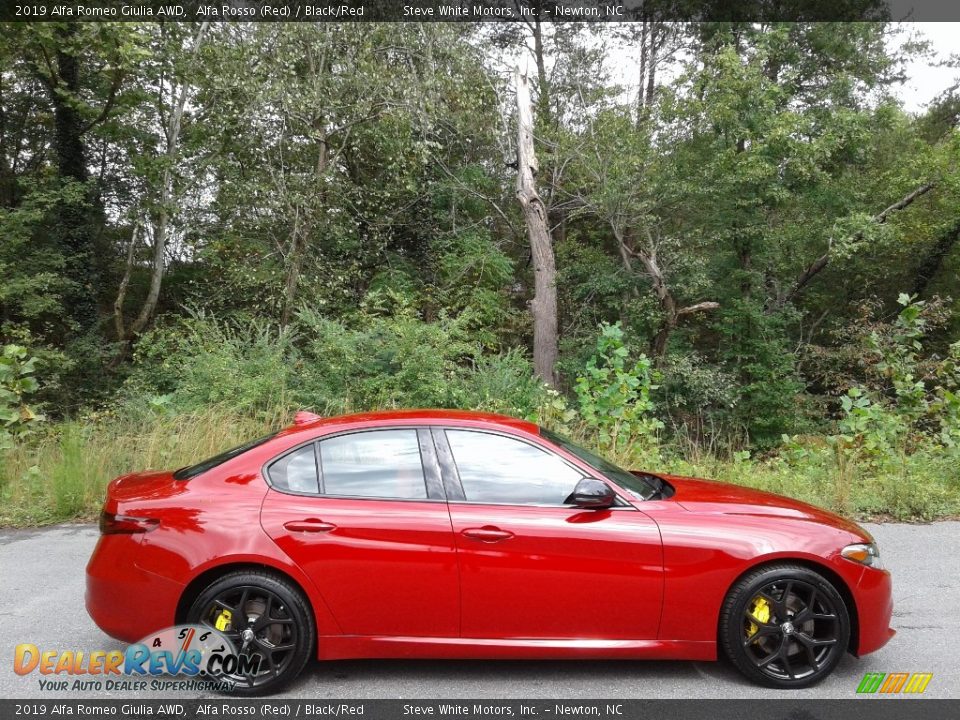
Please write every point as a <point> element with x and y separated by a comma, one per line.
<point>533,567</point>
<point>363,514</point>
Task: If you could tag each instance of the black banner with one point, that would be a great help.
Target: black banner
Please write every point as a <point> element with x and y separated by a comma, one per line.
<point>874,708</point>
<point>475,10</point>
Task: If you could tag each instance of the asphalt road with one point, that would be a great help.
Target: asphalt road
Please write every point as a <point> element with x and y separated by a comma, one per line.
<point>41,601</point>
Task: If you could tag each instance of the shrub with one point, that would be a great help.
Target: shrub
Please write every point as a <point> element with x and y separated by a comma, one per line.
<point>614,394</point>
<point>17,419</point>
<point>201,361</point>
<point>369,361</point>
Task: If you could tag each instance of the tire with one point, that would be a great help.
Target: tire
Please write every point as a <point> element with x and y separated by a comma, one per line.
<point>255,599</point>
<point>784,626</point>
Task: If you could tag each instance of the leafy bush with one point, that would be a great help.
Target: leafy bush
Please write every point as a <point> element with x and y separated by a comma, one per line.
<point>370,361</point>
<point>769,394</point>
<point>396,361</point>
<point>200,362</point>
<point>895,448</point>
<point>913,398</point>
<point>614,395</point>
<point>17,419</point>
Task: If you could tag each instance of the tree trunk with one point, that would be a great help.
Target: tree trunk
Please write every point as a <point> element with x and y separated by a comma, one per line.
<point>71,155</point>
<point>658,348</point>
<point>292,279</point>
<point>641,93</point>
<point>543,88</point>
<point>544,304</point>
<point>302,227</point>
<point>8,179</point>
<point>75,217</point>
<point>650,91</point>
<point>668,304</point>
<point>164,211</point>
<point>124,284</point>
<point>931,264</point>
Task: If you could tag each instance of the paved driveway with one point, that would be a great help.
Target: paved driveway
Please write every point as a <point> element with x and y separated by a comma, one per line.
<point>41,601</point>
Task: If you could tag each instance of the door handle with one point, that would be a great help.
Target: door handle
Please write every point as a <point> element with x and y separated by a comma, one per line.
<point>311,525</point>
<point>487,534</point>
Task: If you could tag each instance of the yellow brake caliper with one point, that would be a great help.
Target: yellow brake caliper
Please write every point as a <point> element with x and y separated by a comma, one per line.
<point>223,620</point>
<point>760,611</point>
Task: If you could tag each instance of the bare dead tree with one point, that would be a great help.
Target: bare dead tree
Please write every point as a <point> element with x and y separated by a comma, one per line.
<point>544,304</point>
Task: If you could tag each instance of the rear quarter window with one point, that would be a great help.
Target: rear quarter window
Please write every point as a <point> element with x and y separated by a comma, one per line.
<point>296,471</point>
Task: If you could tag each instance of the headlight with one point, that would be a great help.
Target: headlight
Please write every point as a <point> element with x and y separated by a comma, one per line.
<point>864,554</point>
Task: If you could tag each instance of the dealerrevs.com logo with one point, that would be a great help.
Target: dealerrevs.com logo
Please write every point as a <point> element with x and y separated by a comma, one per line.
<point>894,683</point>
<point>183,657</point>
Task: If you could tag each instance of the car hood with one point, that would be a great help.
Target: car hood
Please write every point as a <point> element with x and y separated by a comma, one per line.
<point>709,496</point>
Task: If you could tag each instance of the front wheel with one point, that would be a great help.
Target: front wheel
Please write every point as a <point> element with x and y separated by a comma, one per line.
<point>267,619</point>
<point>784,626</point>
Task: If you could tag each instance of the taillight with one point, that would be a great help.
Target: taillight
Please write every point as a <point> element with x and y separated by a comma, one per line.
<point>111,524</point>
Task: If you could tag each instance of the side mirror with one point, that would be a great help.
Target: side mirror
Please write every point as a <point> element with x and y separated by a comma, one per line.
<point>591,494</point>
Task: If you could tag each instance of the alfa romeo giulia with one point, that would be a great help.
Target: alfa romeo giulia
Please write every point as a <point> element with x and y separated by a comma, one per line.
<point>444,534</point>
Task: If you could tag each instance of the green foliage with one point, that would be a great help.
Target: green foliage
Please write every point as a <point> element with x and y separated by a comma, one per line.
<point>915,403</point>
<point>17,381</point>
<point>61,473</point>
<point>614,393</point>
<point>375,361</point>
<point>342,233</point>
<point>768,391</point>
<point>897,436</point>
<point>945,403</point>
<point>392,361</point>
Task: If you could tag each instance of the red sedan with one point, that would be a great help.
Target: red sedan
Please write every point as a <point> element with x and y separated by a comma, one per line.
<point>437,534</point>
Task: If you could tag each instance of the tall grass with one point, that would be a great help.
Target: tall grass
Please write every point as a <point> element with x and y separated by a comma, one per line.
<point>925,486</point>
<point>63,473</point>
<point>60,475</point>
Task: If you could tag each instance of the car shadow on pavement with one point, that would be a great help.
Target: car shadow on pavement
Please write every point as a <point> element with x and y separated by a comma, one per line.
<point>599,679</point>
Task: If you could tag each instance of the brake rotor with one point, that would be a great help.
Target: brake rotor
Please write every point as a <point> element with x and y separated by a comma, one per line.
<point>253,609</point>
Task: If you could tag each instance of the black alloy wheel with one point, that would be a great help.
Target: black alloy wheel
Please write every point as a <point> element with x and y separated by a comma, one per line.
<point>269,623</point>
<point>784,626</point>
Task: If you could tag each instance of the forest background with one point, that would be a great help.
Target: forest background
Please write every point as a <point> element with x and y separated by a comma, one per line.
<point>721,249</point>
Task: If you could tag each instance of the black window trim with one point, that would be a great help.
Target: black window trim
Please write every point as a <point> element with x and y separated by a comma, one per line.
<point>454,486</point>
<point>431,469</point>
<point>189,472</point>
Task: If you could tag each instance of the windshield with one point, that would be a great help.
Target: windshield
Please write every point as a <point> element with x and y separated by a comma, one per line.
<point>191,471</point>
<point>642,487</point>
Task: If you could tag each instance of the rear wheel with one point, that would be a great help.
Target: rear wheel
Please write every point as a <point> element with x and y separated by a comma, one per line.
<point>269,622</point>
<point>784,626</point>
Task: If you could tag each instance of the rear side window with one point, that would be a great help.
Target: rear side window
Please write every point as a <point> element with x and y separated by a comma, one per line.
<point>374,464</point>
<point>296,471</point>
<point>191,471</point>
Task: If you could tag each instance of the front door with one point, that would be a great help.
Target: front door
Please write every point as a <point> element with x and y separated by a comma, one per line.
<point>531,567</point>
<point>363,515</point>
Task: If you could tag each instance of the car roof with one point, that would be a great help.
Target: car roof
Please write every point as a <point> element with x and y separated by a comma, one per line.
<point>423,416</point>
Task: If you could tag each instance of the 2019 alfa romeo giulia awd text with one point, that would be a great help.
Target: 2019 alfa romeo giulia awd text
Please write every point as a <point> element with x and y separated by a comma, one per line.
<point>441,534</point>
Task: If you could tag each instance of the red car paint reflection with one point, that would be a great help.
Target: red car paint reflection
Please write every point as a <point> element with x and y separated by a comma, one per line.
<point>441,534</point>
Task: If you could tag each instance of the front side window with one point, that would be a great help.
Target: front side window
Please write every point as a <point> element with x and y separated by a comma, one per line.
<point>374,464</point>
<point>643,487</point>
<point>503,470</point>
